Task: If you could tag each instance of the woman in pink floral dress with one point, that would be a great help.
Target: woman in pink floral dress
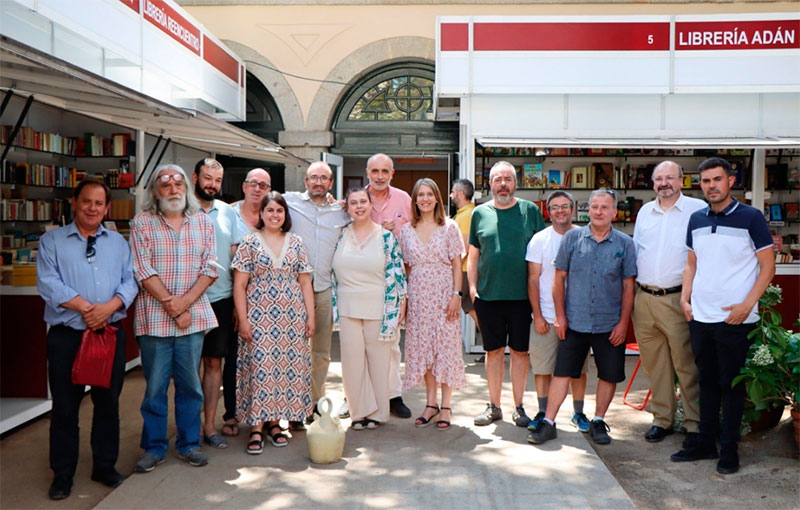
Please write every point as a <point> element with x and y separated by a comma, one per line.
<point>432,249</point>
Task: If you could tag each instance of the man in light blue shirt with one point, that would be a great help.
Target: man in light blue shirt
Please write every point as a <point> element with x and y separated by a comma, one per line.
<point>85,277</point>
<point>220,342</point>
<point>318,220</point>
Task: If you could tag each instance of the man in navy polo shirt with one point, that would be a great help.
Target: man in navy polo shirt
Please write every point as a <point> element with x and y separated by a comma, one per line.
<point>730,265</point>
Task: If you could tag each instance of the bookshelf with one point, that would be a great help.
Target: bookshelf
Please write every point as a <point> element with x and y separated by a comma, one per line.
<point>628,171</point>
<point>40,168</point>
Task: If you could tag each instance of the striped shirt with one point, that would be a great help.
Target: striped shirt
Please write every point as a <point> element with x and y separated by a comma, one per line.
<point>178,259</point>
<point>725,244</point>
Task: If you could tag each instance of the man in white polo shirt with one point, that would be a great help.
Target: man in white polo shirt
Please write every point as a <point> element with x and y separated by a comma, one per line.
<point>729,266</point>
<point>661,331</point>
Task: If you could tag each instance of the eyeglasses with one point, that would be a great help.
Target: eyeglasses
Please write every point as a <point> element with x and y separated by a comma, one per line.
<point>320,178</point>
<point>669,178</point>
<point>609,191</point>
<point>164,179</point>
<point>563,207</point>
<point>90,250</point>
<point>253,184</point>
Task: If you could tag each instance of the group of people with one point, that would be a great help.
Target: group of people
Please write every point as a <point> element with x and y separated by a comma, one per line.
<point>690,280</point>
<point>253,291</point>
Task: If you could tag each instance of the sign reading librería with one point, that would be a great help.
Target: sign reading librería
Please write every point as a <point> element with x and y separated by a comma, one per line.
<point>173,24</point>
<point>737,35</point>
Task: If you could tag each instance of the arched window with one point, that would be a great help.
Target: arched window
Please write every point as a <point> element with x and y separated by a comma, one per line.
<point>391,109</point>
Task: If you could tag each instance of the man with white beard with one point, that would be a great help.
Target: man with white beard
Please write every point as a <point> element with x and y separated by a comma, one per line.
<point>174,258</point>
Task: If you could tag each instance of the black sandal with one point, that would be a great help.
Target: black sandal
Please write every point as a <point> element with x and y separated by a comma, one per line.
<point>256,442</point>
<point>274,437</point>
<point>424,422</point>
<point>444,424</point>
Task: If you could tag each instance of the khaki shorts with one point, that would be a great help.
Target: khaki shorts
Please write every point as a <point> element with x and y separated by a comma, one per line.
<point>543,349</point>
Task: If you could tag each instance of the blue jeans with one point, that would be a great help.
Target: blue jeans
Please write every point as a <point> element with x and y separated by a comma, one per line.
<point>178,357</point>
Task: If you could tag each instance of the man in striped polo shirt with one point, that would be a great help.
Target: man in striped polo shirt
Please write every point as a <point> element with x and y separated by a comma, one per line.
<point>730,265</point>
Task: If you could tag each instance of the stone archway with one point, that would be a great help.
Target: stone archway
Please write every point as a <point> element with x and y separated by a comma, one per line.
<point>356,65</point>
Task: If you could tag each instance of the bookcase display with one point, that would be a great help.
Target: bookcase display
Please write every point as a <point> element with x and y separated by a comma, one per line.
<point>628,171</point>
<point>46,152</point>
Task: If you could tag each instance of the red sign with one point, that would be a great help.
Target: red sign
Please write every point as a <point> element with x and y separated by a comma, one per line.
<point>162,15</point>
<point>737,35</point>
<point>571,36</point>
<point>133,4</point>
<point>221,59</point>
<point>455,36</point>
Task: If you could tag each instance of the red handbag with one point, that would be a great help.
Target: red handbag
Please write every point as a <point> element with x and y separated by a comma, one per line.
<point>95,360</point>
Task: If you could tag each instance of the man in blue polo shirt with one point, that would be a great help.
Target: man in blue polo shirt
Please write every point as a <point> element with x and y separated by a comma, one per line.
<point>730,265</point>
<point>593,297</point>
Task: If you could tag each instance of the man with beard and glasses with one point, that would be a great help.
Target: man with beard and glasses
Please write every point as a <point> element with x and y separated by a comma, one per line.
<point>220,342</point>
<point>498,276</point>
<point>174,259</point>
<point>729,266</point>
<point>661,331</point>
<point>318,219</point>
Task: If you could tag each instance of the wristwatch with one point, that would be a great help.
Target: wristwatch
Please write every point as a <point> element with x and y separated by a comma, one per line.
<point>458,293</point>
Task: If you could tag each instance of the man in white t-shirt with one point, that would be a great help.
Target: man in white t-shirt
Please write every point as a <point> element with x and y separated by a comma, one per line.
<point>542,250</point>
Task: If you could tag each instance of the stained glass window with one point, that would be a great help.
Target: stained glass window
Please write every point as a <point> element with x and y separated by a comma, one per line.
<point>403,98</point>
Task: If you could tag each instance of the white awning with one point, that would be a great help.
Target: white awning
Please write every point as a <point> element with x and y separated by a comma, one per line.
<point>634,143</point>
<point>28,72</point>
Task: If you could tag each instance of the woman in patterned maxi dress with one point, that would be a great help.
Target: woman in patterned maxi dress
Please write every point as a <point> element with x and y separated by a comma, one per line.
<point>275,306</point>
<point>432,249</point>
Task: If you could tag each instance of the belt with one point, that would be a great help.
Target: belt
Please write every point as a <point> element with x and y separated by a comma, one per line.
<point>660,292</point>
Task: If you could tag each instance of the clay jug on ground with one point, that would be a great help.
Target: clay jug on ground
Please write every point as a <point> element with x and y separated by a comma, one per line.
<point>325,436</point>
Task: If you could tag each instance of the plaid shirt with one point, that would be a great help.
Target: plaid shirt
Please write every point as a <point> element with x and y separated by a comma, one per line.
<point>178,259</point>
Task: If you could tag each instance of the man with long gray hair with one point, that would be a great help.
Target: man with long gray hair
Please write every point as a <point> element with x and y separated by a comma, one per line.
<point>174,254</point>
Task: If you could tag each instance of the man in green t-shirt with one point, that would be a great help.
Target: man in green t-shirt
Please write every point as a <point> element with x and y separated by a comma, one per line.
<point>498,276</point>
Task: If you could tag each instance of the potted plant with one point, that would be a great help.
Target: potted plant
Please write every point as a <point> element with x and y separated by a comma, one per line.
<point>771,374</point>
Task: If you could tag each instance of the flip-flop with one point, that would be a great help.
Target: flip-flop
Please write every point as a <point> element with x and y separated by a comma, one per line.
<point>233,427</point>
<point>216,441</point>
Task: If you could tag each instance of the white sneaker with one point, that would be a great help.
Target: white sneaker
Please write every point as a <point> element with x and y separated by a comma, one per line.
<point>344,411</point>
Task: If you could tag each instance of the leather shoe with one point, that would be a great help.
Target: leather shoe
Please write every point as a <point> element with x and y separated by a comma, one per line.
<point>656,434</point>
<point>728,460</point>
<point>108,478</point>
<point>694,453</point>
<point>60,488</point>
<point>398,408</point>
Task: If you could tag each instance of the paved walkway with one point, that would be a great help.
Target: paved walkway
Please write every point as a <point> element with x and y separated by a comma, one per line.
<point>395,466</point>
